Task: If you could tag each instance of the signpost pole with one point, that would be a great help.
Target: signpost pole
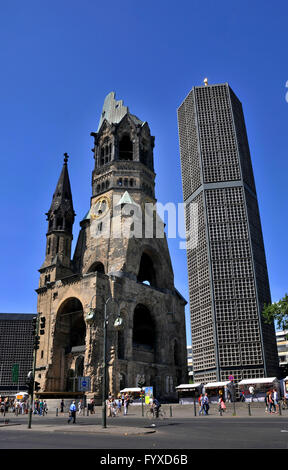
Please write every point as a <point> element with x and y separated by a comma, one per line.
<point>142,401</point>
<point>33,373</point>
<point>104,425</point>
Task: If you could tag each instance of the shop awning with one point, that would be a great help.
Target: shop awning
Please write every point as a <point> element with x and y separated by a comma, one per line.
<point>262,380</point>
<point>188,386</point>
<point>217,384</point>
<point>131,390</point>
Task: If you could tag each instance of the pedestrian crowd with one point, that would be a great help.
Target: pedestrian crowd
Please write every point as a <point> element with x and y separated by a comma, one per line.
<point>272,402</point>
<point>115,405</point>
<point>40,407</point>
<point>204,406</point>
<point>21,407</point>
<point>13,405</point>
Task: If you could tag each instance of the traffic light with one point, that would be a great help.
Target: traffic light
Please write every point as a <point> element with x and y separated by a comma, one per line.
<point>34,325</point>
<point>36,342</point>
<point>37,386</point>
<point>29,382</point>
<point>42,325</point>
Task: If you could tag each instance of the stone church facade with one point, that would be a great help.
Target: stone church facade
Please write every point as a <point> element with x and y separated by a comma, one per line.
<point>122,263</point>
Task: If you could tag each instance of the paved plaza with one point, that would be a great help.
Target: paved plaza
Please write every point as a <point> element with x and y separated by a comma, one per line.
<point>252,429</point>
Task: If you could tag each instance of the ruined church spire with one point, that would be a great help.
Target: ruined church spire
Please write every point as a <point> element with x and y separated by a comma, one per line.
<point>61,213</point>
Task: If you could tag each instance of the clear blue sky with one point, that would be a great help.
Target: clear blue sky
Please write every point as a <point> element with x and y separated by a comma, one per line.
<point>59,59</point>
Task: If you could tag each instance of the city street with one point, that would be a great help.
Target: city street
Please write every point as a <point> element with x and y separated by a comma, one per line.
<point>258,431</point>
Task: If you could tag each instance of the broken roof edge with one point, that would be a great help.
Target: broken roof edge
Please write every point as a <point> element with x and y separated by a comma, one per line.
<point>114,110</point>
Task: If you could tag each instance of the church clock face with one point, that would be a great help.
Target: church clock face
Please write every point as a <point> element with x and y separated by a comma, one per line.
<point>100,207</point>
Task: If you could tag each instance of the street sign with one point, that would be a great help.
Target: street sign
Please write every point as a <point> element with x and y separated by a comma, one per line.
<point>231,378</point>
<point>148,394</point>
<point>84,384</point>
<point>15,373</point>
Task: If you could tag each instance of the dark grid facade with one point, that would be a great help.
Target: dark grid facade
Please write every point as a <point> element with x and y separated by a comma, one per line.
<point>16,347</point>
<point>228,279</point>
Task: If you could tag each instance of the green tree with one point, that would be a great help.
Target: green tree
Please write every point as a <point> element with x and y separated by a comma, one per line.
<point>278,312</point>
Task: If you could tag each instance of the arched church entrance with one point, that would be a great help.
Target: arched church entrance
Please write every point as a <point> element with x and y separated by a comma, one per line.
<point>69,344</point>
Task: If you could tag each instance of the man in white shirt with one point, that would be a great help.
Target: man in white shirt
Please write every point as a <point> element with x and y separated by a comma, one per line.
<point>252,391</point>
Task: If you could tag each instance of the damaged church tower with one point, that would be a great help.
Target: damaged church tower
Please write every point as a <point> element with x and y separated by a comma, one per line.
<point>119,261</point>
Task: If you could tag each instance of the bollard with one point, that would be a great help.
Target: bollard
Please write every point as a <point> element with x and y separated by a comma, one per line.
<point>234,407</point>
<point>280,411</point>
<point>221,411</point>
<point>56,411</point>
<point>170,411</point>
<point>87,411</point>
<point>249,409</point>
<point>194,408</point>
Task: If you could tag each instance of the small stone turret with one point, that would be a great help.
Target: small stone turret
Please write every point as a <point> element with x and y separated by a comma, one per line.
<point>59,236</point>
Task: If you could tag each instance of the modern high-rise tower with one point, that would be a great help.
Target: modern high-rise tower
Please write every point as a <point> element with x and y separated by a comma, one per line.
<point>228,279</point>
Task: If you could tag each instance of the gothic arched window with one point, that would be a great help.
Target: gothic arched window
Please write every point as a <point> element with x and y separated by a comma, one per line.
<point>105,153</point>
<point>146,272</point>
<point>97,267</point>
<point>144,152</point>
<point>125,148</point>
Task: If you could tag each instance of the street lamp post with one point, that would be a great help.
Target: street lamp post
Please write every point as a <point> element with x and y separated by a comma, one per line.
<point>117,324</point>
<point>104,388</point>
<point>141,384</point>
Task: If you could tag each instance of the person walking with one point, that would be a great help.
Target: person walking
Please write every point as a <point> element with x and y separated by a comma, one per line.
<point>275,399</point>
<point>62,406</point>
<point>80,408</point>
<point>157,406</point>
<point>126,404</point>
<point>109,411</point>
<point>285,400</point>
<point>252,392</point>
<point>17,408</point>
<point>113,407</point>
<point>92,406</point>
<point>266,402</point>
<point>222,406</point>
<point>271,403</point>
<point>37,407</point>
<point>119,406</point>
<point>44,408</point>
<point>72,412</point>
<point>200,399</point>
<point>206,404</point>
<point>201,404</point>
